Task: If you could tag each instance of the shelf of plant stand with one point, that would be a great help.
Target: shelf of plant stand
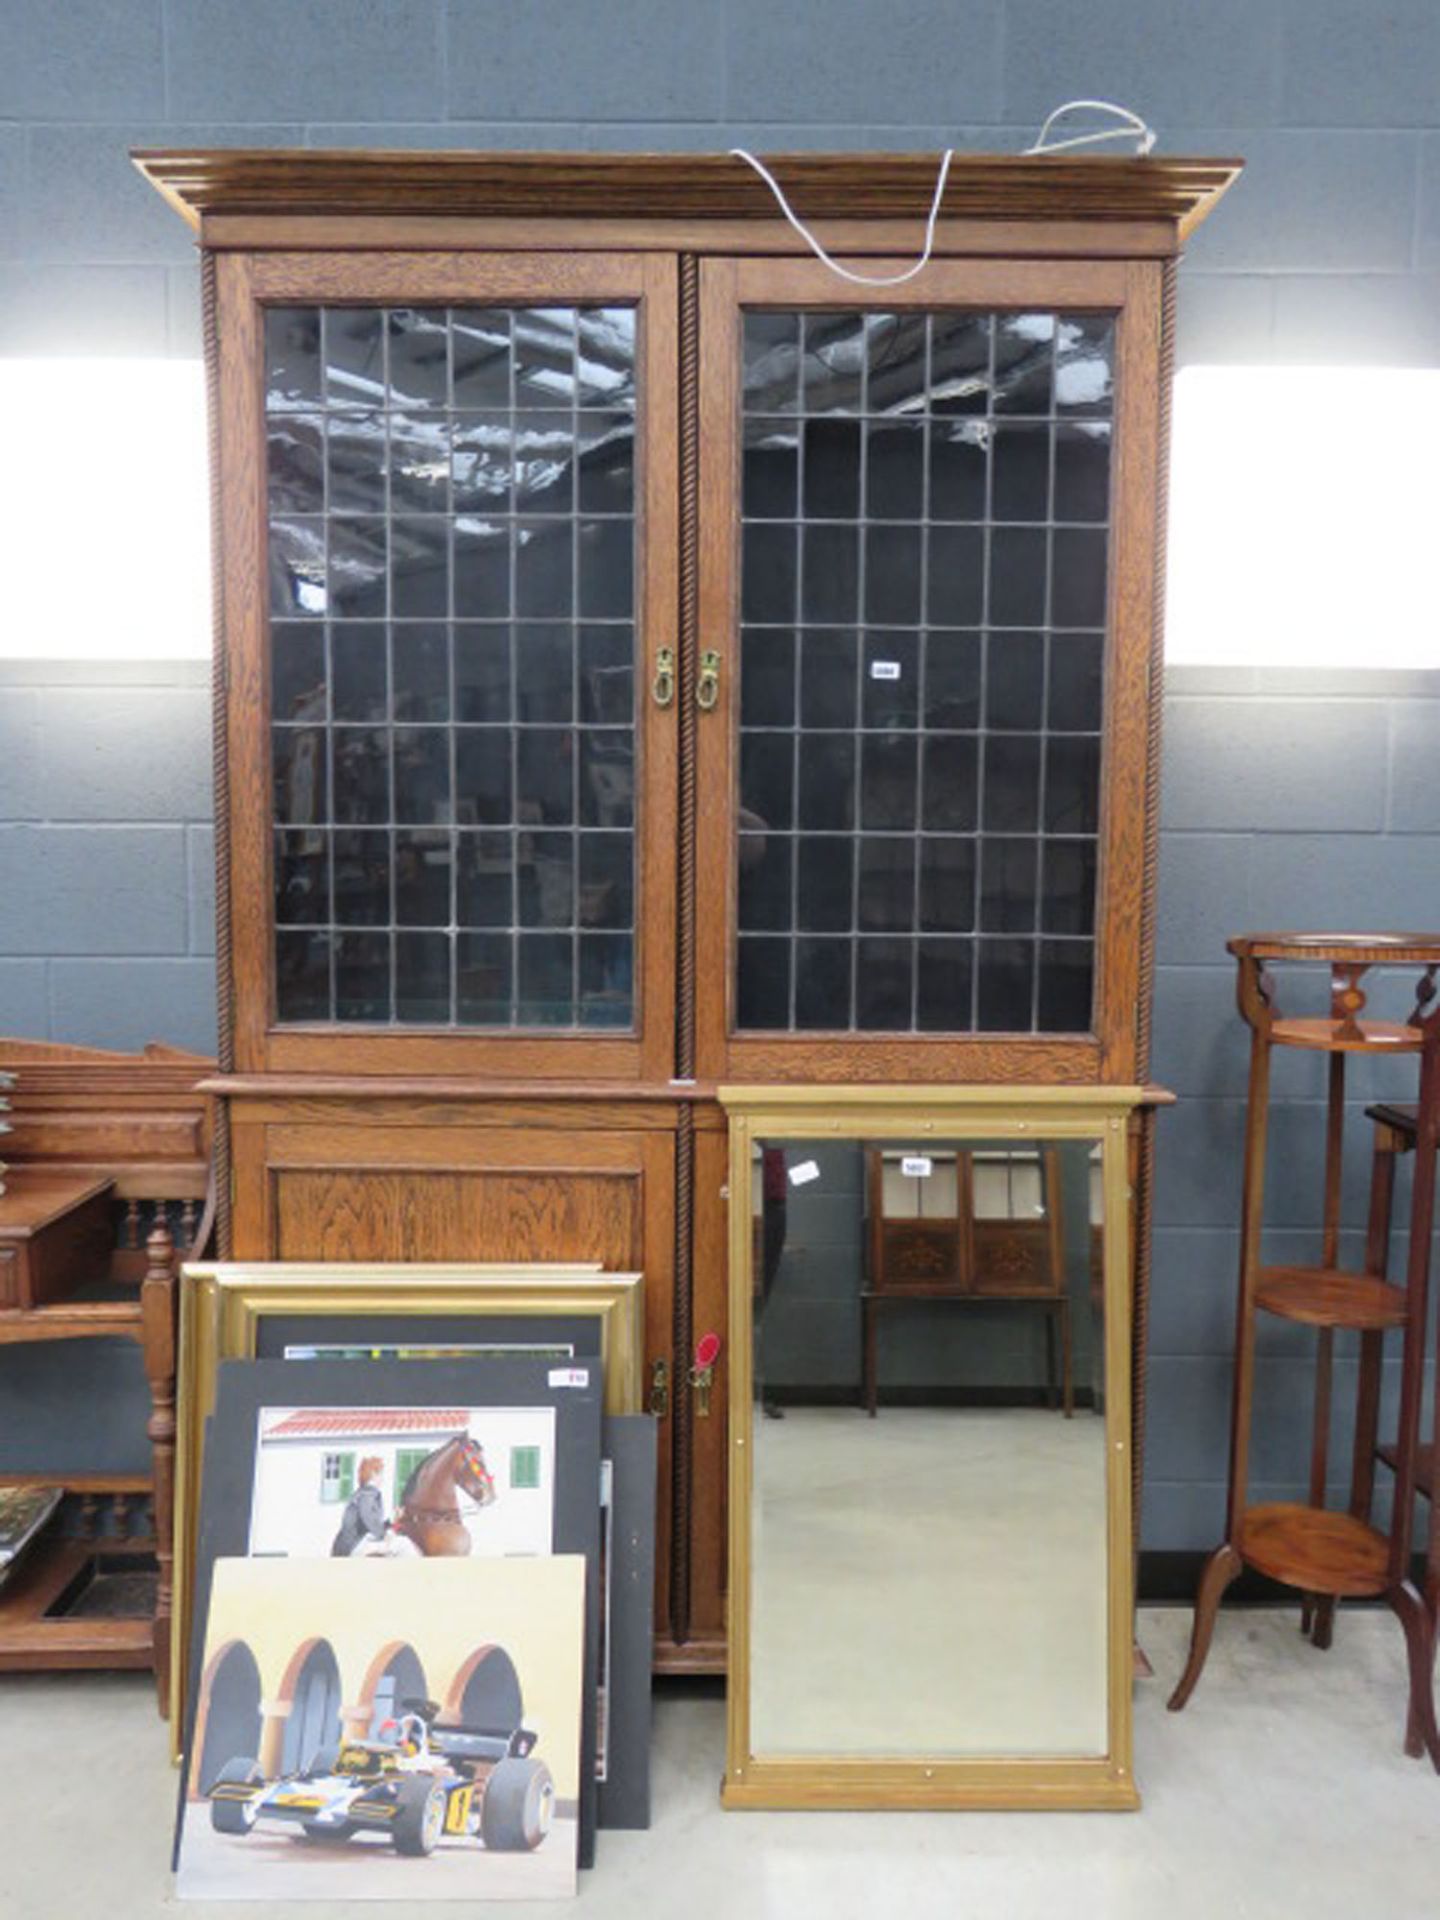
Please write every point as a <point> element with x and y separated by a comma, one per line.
<point>1340,1036</point>
<point>1315,1550</point>
<point>1330,1297</point>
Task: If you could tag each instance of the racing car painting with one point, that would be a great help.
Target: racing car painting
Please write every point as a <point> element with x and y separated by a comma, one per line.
<point>401,1730</point>
<point>416,1782</point>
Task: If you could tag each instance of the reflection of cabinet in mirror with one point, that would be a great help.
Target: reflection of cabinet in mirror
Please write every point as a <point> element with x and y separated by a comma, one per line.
<point>979,1226</point>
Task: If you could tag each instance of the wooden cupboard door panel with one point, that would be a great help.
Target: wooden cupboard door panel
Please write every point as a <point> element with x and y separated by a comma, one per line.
<point>366,1214</point>
<point>330,1188</point>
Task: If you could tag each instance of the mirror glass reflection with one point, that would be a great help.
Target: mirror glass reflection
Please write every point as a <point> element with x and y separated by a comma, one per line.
<point>928,1527</point>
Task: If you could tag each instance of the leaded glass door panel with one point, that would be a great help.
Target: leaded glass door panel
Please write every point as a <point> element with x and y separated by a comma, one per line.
<point>932,706</point>
<point>464,473</point>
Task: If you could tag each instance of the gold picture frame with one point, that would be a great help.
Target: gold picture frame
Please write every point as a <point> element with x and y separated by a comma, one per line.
<point>223,1305</point>
<point>1101,1115</point>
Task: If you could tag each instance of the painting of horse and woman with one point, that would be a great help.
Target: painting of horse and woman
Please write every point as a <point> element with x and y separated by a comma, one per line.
<point>402,1482</point>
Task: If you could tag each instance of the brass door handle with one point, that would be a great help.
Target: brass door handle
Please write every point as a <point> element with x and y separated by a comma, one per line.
<point>663,687</point>
<point>659,1389</point>
<point>707,687</point>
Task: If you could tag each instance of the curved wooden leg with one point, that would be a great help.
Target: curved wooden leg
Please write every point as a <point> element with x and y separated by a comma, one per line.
<point>1220,1569</point>
<point>1422,1735</point>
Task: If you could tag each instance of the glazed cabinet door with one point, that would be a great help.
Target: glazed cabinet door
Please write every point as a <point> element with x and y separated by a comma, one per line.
<point>926,588</point>
<point>448,549</point>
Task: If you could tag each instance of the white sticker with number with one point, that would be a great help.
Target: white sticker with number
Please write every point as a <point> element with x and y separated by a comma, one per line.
<point>569,1377</point>
<point>916,1166</point>
<point>884,669</point>
<point>802,1175</point>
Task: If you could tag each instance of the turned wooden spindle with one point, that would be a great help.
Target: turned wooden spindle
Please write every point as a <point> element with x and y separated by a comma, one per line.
<point>1347,1000</point>
<point>130,1229</point>
<point>157,1313</point>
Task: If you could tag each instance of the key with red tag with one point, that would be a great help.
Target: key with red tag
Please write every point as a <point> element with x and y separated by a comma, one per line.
<point>702,1374</point>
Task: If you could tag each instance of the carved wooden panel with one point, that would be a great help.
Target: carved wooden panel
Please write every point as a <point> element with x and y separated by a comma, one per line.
<point>917,1253</point>
<point>1012,1259</point>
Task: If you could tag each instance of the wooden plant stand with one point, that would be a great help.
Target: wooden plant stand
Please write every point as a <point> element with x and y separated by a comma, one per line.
<point>1329,1555</point>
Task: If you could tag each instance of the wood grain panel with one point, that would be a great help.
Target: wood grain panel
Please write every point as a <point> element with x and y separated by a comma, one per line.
<point>364,1214</point>
<point>108,1133</point>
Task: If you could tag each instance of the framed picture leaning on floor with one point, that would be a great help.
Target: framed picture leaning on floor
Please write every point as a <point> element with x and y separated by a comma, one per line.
<point>467,1789</point>
<point>491,1458</point>
<point>259,1310</point>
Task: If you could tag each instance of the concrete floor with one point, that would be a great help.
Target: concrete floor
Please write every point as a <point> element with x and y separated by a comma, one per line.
<point>1280,1791</point>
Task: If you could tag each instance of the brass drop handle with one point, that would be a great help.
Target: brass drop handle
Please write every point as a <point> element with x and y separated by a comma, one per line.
<point>664,683</point>
<point>707,687</point>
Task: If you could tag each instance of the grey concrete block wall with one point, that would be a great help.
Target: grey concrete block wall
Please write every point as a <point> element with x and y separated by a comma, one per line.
<point>106,854</point>
<point>1288,796</point>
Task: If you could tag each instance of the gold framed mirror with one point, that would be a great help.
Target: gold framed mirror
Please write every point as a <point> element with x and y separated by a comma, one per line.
<point>931,1550</point>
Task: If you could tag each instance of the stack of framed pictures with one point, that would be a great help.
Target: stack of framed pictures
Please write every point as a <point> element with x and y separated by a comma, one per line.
<point>414,1573</point>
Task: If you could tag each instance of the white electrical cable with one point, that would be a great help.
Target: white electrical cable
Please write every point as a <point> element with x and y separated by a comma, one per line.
<point>1134,128</point>
<point>845,273</point>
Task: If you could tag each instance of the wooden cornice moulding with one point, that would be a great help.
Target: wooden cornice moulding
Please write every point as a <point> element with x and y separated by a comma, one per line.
<point>707,186</point>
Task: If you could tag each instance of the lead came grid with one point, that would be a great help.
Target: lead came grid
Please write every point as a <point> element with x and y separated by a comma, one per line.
<point>452,533</point>
<point>925,511</point>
